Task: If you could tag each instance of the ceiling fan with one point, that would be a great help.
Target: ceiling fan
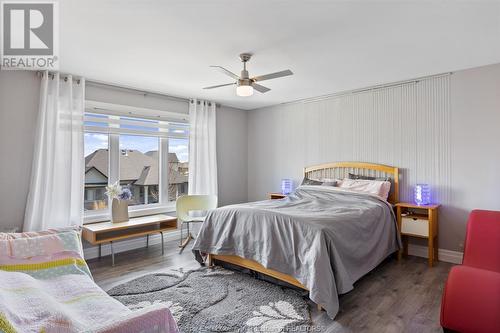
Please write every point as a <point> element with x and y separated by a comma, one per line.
<point>245,84</point>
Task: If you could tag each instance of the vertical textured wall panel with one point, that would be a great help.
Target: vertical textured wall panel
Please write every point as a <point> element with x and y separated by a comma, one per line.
<point>443,131</point>
<point>405,125</point>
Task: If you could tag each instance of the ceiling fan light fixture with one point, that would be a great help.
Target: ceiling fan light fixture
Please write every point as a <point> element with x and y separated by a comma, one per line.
<point>245,85</point>
<point>244,90</point>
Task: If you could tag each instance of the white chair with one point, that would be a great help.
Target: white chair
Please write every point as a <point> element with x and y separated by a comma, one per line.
<point>189,203</point>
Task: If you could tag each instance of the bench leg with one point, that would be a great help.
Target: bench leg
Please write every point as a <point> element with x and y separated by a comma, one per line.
<point>112,254</point>
<point>99,251</point>
<point>147,240</point>
<point>162,244</point>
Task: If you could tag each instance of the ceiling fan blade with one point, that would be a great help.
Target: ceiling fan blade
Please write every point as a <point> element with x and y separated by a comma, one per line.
<point>227,72</point>
<point>220,85</point>
<point>260,88</point>
<point>272,75</point>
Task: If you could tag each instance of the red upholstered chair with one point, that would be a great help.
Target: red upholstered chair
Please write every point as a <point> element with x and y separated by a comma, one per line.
<point>471,298</point>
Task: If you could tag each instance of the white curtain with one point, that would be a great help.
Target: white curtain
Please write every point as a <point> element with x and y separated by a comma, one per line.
<point>202,148</point>
<point>55,196</point>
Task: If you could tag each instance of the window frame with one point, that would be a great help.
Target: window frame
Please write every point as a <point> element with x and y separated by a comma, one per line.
<point>115,111</point>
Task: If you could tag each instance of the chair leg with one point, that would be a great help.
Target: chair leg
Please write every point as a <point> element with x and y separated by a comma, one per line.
<point>182,237</point>
<point>185,241</point>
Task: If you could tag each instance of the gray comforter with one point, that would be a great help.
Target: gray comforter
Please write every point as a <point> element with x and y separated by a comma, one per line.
<point>325,237</point>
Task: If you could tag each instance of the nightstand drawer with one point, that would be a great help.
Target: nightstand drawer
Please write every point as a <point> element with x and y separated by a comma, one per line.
<point>415,226</point>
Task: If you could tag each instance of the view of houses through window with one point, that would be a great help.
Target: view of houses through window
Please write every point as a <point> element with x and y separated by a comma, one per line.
<point>139,168</point>
<point>96,171</point>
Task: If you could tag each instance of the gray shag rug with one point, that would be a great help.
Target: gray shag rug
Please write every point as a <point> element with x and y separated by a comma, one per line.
<point>218,300</point>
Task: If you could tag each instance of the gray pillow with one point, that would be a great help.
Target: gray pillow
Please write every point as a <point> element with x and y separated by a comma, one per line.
<point>307,181</point>
<point>354,176</point>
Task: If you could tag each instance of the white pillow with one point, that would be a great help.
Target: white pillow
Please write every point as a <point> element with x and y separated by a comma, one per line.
<point>377,187</point>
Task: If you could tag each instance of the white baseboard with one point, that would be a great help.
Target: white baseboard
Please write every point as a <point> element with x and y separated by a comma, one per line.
<point>129,244</point>
<point>453,257</point>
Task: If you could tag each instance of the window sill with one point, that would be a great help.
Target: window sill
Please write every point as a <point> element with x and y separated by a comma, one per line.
<point>105,215</point>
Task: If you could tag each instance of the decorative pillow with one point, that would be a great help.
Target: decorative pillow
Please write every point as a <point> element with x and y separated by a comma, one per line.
<point>31,234</point>
<point>31,244</point>
<point>377,187</point>
<point>46,266</point>
<point>354,176</point>
<point>307,181</point>
<point>329,181</point>
<point>385,190</point>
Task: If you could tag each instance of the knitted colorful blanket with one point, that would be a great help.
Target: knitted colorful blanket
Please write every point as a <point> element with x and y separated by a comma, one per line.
<point>56,293</point>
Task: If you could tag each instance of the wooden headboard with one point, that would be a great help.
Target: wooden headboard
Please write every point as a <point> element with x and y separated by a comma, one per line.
<point>341,170</point>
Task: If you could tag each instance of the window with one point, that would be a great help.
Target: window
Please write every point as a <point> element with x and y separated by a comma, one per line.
<point>147,153</point>
<point>177,167</point>
<point>139,169</point>
<point>96,171</point>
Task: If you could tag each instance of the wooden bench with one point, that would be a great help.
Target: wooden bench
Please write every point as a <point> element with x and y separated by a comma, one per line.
<point>108,232</point>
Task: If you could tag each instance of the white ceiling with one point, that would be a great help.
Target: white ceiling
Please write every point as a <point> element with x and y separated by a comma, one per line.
<point>331,46</point>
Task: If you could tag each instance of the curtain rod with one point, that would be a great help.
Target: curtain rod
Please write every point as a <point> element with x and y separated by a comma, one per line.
<point>199,102</point>
<point>355,91</point>
<point>97,83</point>
<point>142,91</point>
<point>53,74</point>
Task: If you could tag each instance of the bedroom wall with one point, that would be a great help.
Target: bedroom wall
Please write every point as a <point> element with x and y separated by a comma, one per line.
<point>19,93</point>
<point>232,155</point>
<point>459,155</point>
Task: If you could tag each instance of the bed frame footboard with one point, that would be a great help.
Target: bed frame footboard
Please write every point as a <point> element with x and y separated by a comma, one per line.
<point>255,266</point>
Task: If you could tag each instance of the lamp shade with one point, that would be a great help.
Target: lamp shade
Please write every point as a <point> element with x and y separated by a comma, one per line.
<point>286,186</point>
<point>422,194</point>
<point>244,91</point>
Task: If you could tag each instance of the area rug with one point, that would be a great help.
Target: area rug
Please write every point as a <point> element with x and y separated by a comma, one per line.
<point>219,300</point>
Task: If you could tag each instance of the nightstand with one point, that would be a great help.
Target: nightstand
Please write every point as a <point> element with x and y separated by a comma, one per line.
<point>419,221</point>
<point>275,195</point>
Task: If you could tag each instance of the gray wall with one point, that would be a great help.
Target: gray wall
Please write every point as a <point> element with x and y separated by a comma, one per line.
<point>475,137</point>
<point>283,139</point>
<point>19,92</point>
<point>232,155</point>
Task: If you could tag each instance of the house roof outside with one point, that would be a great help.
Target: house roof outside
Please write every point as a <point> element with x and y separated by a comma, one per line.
<point>136,167</point>
<point>172,157</point>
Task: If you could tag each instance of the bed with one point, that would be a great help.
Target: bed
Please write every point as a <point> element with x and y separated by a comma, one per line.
<point>319,238</point>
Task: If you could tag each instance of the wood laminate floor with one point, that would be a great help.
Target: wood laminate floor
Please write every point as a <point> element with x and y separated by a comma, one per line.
<point>395,297</point>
